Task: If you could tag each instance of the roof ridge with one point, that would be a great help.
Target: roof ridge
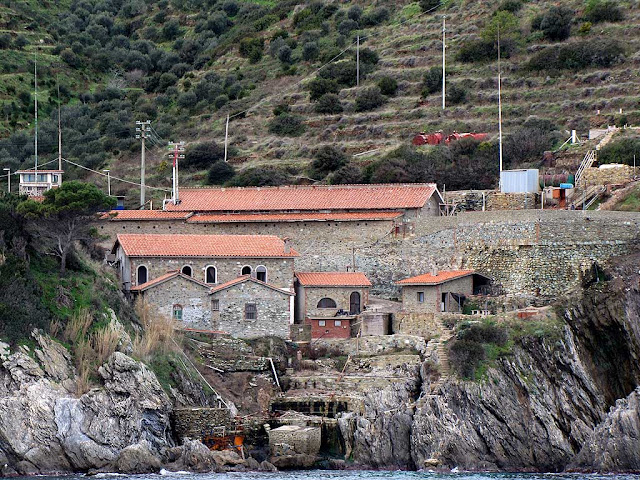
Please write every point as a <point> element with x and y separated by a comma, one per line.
<point>312,187</point>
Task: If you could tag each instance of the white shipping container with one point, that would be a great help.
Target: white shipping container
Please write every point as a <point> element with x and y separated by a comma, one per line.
<point>519,181</point>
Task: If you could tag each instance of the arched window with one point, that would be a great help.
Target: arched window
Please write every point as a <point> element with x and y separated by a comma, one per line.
<point>261,273</point>
<point>177,312</point>
<point>186,270</point>
<point>210,274</point>
<point>142,276</point>
<point>354,303</point>
<point>327,303</point>
<point>246,270</point>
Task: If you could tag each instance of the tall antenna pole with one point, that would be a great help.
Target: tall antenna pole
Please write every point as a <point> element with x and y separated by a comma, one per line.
<point>143,129</point>
<point>226,139</point>
<point>35,83</point>
<point>500,106</point>
<point>177,153</point>
<point>59,129</point>
<point>358,61</point>
<point>444,29</point>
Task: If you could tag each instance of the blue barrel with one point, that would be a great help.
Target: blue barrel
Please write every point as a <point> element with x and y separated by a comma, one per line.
<point>566,185</point>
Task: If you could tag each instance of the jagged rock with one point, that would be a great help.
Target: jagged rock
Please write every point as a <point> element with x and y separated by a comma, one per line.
<point>137,458</point>
<point>294,461</point>
<point>195,457</point>
<point>252,464</point>
<point>26,468</point>
<point>227,457</point>
<point>267,467</point>
<point>54,358</point>
<point>613,446</point>
<point>5,351</point>
<point>22,368</point>
<point>125,345</point>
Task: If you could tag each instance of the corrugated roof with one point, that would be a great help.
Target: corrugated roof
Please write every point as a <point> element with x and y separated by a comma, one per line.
<point>305,197</point>
<point>130,215</point>
<point>39,171</point>
<point>247,278</point>
<point>441,277</point>
<point>171,245</point>
<point>291,217</point>
<point>163,278</point>
<point>333,279</point>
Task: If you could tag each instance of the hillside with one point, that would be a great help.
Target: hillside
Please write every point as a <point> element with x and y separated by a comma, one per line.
<point>186,64</point>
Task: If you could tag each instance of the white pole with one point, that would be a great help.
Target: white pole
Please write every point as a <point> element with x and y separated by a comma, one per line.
<point>226,139</point>
<point>500,107</point>
<point>108,172</point>
<point>60,133</point>
<point>142,174</point>
<point>35,83</point>
<point>358,61</point>
<point>8,170</point>
<point>444,29</point>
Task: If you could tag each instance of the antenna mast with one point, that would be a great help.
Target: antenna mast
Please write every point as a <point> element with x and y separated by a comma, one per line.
<point>59,129</point>
<point>500,106</point>
<point>35,84</point>
<point>444,29</point>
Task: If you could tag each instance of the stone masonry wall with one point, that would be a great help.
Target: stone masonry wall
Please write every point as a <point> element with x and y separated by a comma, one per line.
<point>341,295</point>
<point>610,174</point>
<point>194,299</point>
<point>432,294</point>
<point>273,308</point>
<point>279,270</point>
<point>412,323</point>
<point>194,423</point>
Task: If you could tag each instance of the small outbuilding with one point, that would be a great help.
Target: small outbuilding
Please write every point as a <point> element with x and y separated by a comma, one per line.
<point>330,301</point>
<point>442,291</point>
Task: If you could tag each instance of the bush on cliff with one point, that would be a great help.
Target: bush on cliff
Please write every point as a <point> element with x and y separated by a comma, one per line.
<point>475,346</point>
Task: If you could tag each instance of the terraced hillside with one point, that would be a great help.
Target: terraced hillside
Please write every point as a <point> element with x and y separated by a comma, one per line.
<point>240,48</point>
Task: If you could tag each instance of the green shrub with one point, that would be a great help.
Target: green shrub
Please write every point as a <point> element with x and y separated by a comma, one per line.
<point>512,6</point>
<point>585,28</point>
<point>202,155</point>
<point>429,5</point>
<point>287,125</point>
<point>481,50</point>
<point>369,99</point>
<point>579,55</point>
<point>388,86</point>
<point>220,172</point>
<point>329,103</point>
<point>259,177</point>
<point>603,11</point>
<point>432,81</point>
<point>466,357</point>
<point>347,174</point>
<point>368,57</point>
<point>281,109</point>
<point>621,151</point>
<point>343,72</point>
<point>456,94</point>
<point>556,23</point>
<point>375,17</point>
<point>321,86</point>
<point>251,48</point>
<point>310,51</point>
<point>327,159</point>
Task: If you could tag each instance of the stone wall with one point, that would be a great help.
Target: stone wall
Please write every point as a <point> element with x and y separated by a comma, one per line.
<point>279,270</point>
<point>513,201</point>
<point>413,323</point>
<point>273,311</point>
<point>194,423</point>
<point>432,295</point>
<point>607,174</point>
<point>306,440</point>
<point>341,295</point>
<point>194,299</point>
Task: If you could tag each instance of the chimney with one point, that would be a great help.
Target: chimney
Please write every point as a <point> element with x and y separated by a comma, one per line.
<point>287,245</point>
<point>434,271</point>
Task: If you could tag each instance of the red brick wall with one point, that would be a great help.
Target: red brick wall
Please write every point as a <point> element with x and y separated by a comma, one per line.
<point>341,331</point>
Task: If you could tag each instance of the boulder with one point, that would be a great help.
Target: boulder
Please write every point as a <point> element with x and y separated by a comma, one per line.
<point>137,458</point>
<point>195,457</point>
<point>267,467</point>
<point>54,358</point>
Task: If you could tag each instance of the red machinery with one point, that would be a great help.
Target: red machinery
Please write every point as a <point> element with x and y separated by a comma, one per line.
<point>439,138</point>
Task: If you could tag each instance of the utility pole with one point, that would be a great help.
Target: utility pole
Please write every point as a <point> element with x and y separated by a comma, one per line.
<point>226,139</point>
<point>500,107</point>
<point>108,172</point>
<point>60,131</point>
<point>8,170</point>
<point>177,153</point>
<point>143,129</point>
<point>35,89</point>
<point>358,61</point>
<point>444,29</point>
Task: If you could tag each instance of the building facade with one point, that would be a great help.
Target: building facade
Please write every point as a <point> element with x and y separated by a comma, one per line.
<point>442,291</point>
<point>34,183</point>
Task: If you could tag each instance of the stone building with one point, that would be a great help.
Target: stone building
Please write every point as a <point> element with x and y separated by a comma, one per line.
<point>330,301</point>
<point>210,259</point>
<point>442,291</point>
<point>247,308</point>
<point>178,296</point>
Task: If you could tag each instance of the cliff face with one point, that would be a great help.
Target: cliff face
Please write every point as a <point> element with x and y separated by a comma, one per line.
<point>541,408</point>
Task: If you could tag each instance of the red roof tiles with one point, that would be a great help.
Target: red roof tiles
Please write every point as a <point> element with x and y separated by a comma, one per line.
<point>247,278</point>
<point>291,217</point>
<point>441,277</point>
<point>169,245</point>
<point>163,278</point>
<point>333,279</point>
<point>129,215</point>
<point>305,197</point>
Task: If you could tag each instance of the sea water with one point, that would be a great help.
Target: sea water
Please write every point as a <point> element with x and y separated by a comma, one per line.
<point>342,475</point>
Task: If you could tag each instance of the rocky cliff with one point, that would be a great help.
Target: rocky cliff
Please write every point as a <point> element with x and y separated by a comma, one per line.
<point>542,407</point>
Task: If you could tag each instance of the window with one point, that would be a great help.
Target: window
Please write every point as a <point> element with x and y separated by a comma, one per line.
<point>43,177</point>
<point>337,323</point>
<point>186,270</point>
<point>327,303</point>
<point>250,311</point>
<point>420,297</point>
<point>210,274</point>
<point>142,275</point>
<point>246,270</point>
<point>177,312</point>
<point>55,179</point>
<point>29,177</point>
<point>215,305</point>
<point>261,273</point>
<point>322,323</point>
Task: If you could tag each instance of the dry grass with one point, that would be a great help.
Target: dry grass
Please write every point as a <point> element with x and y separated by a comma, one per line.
<point>77,327</point>
<point>104,342</point>
<point>159,335</point>
<point>55,328</point>
<point>84,355</point>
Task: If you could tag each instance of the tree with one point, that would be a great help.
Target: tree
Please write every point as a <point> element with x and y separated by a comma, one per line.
<point>321,86</point>
<point>220,172</point>
<point>369,99</point>
<point>432,81</point>
<point>504,22</point>
<point>64,217</point>
<point>202,155</point>
<point>329,103</point>
<point>429,5</point>
<point>310,51</point>
<point>556,23</point>
<point>603,11</point>
<point>287,125</point>
<point>388,86</point>
<point>327,159</point>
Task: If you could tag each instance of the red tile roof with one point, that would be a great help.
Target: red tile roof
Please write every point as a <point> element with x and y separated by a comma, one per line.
<point>441,277</point>
<point>163,278</point>
<point>125,215</point>
<point>333,279</point>
<point>170,245</point>
<point>305,197</point>
<point>247,278</point>
<point>291,217</point>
